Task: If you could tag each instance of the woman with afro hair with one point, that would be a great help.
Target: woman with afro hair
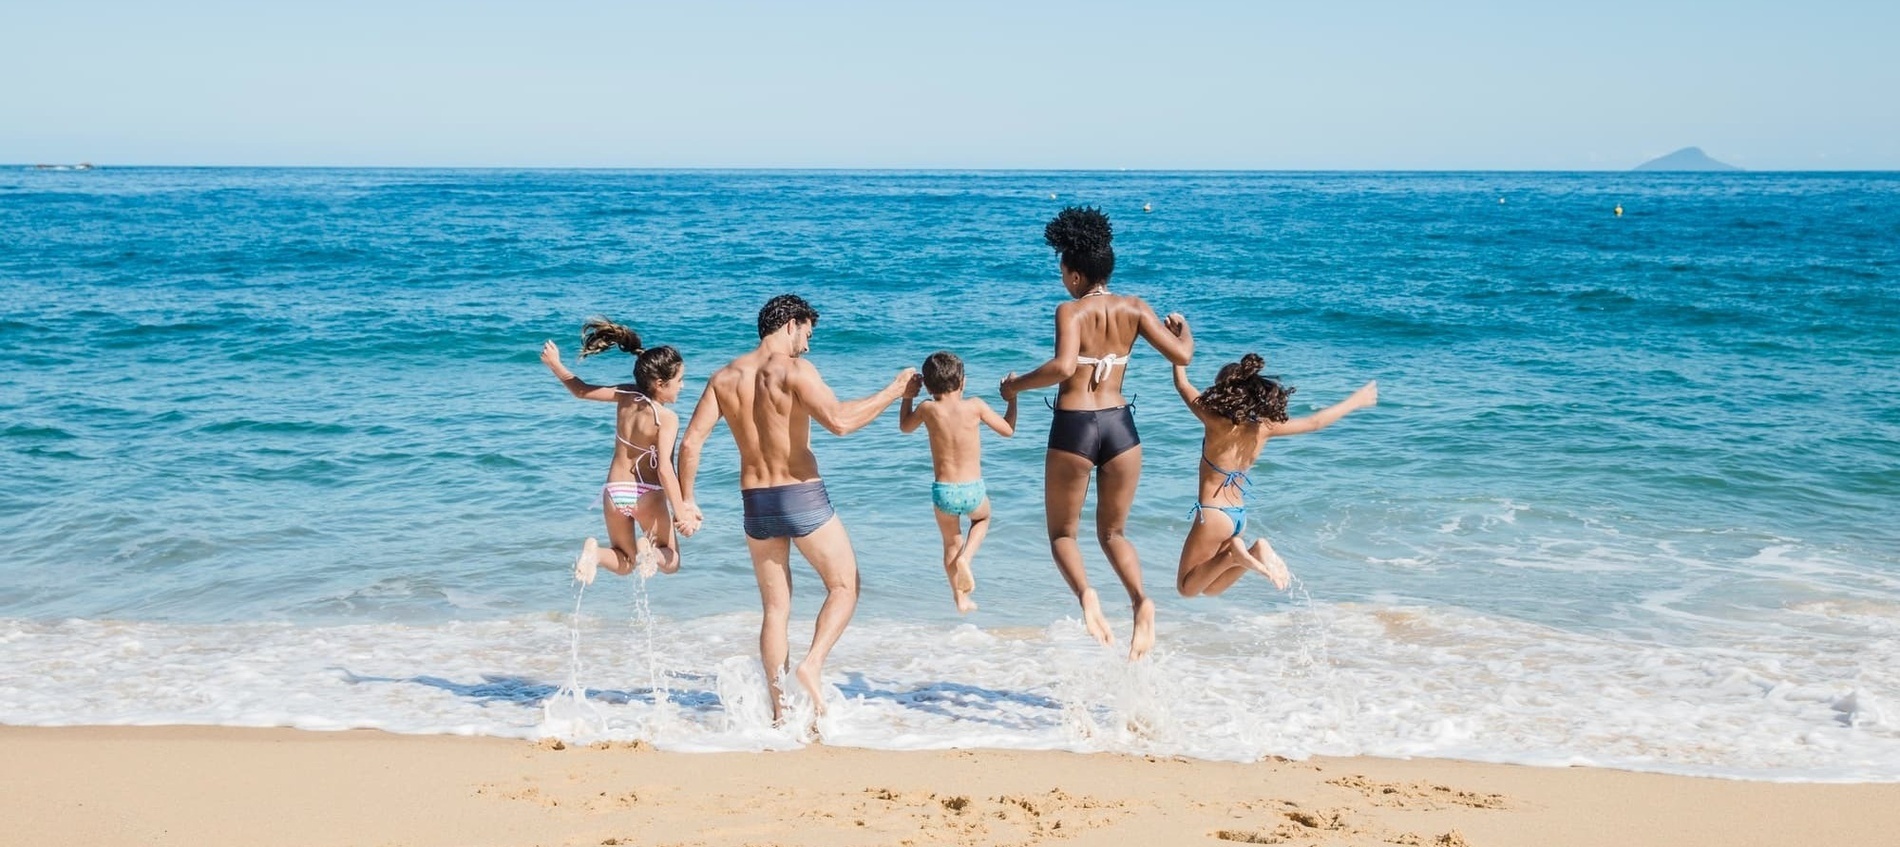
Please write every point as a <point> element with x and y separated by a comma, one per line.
<point>1093,432</point>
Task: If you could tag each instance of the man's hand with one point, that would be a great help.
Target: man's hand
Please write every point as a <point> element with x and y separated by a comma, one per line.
<point>915,385</point>
<point>904,379</point>
<point>688,520</point>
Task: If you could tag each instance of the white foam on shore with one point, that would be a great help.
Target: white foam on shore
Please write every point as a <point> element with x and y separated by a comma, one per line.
<point>1317,679</point>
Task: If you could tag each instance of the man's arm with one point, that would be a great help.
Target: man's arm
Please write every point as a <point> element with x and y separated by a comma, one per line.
<point>841,417</point>
<point>705,416</point>
<point>1367,395</point>
<point>1061,366</point>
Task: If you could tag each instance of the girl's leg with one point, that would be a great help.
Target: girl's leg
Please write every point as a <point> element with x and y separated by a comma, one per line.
<point>657,523</point>
<point>1203,553</point>
<point>1065,484</point>
<point>621,535</point>
<point>950,528</point>
<point>1118,479</point>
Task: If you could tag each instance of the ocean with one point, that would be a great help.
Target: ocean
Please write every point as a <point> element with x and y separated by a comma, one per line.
<point>278,451</point>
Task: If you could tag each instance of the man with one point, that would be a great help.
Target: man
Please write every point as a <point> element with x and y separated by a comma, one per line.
<point>768,398</point>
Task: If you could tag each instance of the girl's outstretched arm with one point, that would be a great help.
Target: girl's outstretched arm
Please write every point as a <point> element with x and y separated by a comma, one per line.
<point>1367,395</point>
<point>551,356</point>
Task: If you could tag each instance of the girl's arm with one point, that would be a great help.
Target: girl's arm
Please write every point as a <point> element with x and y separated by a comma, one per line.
<point>1005,424</point>
<point>912,415</point>
<point>669,481</point>
<point>551,356</point>
<point>1186,389</point>
<point>1367,395</point>
<point>1172,339</point>
<point>1061,366</point>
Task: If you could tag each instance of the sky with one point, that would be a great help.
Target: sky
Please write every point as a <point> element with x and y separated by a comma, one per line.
<point>966,84</point>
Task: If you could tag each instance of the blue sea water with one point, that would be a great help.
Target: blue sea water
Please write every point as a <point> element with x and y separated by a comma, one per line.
<point>277,450</point>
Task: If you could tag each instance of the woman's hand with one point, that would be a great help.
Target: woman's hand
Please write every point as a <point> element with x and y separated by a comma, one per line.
<point>1007,389</point>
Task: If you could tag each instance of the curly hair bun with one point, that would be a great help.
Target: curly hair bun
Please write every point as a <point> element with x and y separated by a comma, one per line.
<point>1250,366</point>
<point>1080,230</point>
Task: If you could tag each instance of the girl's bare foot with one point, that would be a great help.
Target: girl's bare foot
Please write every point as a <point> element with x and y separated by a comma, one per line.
<point>646,560</point>
<point>964,604</point>
<point>589,562</point>
<point>1093,619</point>
<point>1274,566</point>
<point>1144,638</point>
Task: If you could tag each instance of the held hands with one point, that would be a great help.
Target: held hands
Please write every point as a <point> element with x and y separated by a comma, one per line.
<point>915,385</point>
<point>1176,324</point>
<point>1007,389</point>
<point>904,378</point>
<point>688,520</point>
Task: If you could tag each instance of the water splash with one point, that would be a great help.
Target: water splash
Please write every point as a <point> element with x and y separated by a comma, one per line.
<point>567,714</point>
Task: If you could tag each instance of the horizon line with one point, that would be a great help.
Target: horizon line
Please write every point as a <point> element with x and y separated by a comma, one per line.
<point>920,169</point>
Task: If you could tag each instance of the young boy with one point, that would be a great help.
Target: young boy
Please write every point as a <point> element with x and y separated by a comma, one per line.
<point>956,454</point>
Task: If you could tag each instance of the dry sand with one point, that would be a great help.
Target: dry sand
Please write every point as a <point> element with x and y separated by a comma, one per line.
<point>217,786</point>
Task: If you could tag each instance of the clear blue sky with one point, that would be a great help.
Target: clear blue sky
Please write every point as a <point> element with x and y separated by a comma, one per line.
<point>1023,84</point>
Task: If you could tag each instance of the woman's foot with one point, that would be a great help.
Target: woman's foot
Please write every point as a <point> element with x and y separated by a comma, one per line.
<point>589,563</point>
<point>1144,638</point>
<point>1093,618</point>
<point>1271,564</point>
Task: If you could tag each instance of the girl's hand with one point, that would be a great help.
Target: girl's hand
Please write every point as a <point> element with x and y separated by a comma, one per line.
<point>551,356</point>
<point>1367,395</point>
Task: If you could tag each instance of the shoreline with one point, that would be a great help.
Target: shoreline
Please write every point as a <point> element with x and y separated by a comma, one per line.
<point>106,785</point>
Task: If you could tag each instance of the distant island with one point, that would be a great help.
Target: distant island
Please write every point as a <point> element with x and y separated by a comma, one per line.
<point>1686,159</point>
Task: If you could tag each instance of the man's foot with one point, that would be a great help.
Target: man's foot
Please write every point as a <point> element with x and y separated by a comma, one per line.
<point>961,578</point>
<point>964,604</point>
<point>1272,565</point>
<point>1144,638</point>
<point>809,679</point>
<point>589,563</point>
<point>646,560</point>
<point>1093,619</point>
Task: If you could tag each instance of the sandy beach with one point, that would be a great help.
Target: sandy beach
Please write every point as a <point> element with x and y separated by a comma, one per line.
<point>207,786</point>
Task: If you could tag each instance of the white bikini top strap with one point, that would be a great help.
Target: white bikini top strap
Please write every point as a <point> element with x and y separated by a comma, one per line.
<point>1103,366</point>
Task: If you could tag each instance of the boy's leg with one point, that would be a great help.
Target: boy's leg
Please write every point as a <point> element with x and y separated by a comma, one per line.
<point>620,534</point>
<point>828,549</point>
<point>979,527</point>
<point>950,527</point>
<point>658,524</point>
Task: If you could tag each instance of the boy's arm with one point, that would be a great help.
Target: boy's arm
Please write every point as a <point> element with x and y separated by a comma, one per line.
<point>1061,366</point>
<point>1005,424</point>
<point>911,416</point>
<point>551,356</point>
<point>841,417</point>
<point>705,416</point>
<point>669,481</point>
<point>1171,338</point>
<point>1367,395</point>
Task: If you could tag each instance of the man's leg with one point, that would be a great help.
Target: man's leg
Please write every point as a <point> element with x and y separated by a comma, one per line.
<point>828,549</point>
<point>771,565</point>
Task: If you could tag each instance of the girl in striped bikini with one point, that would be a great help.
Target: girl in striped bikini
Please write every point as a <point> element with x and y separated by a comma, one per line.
<point>641,489</point>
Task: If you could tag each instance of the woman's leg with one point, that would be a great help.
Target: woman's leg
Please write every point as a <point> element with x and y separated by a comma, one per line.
<point>1119,477</point>
<point>1065,485</point>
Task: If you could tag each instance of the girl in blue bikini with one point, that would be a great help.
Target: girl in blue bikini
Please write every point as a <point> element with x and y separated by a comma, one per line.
<point>641,488</point>
<point>1239,412</point>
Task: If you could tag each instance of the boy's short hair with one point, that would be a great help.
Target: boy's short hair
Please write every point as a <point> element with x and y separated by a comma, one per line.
<point>943,372</point>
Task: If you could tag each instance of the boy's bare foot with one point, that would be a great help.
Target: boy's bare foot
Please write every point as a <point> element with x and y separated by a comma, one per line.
<point>960,577</point>
<point>589,562</point>
<point>809,679</point>
<point>1144,638</point>
<point>646,560</point>
<point>964,604</point>
<point>1093,619</point>
<point>1275,567</point>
